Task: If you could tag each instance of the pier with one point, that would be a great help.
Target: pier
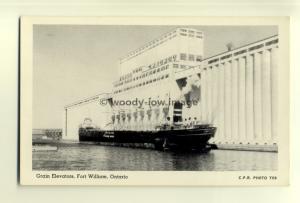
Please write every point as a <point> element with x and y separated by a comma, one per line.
<point>41,136</point>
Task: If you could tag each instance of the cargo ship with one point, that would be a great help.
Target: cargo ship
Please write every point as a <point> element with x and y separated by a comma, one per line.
<point>164,138</point>
<point>172,135</point>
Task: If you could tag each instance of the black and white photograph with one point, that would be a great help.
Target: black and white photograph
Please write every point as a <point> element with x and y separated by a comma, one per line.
<point>108,99</point>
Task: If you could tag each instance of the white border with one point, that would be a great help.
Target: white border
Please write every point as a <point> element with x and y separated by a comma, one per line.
<point>28,177</point>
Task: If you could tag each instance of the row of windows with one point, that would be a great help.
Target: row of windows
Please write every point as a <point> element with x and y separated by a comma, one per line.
<point>151,66</point>
<point>138,70</point>
<point>191,35</point>
<point>152,72</point>
<point>129,75</point>
<point>147,74</point>
<point>244,51</point>
<point>190,57</point>
<point>144,75</point>
<point>190,31</point>
<point>163,62</point>
<point>181,66</point>
<point>143,83</point>
<point>124,77</point>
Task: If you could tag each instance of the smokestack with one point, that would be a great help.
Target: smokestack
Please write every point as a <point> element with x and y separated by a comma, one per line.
<point>229,46</point>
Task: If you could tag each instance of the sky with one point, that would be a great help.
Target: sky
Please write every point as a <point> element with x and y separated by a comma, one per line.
<point>72,62</point>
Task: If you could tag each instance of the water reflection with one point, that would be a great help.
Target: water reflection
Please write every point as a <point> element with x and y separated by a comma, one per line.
<point>77,156</point>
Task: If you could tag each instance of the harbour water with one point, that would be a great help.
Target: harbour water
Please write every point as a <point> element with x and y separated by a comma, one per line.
<point>77,156</point>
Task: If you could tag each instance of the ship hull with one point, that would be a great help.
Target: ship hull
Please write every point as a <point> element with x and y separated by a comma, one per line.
<point>179,139</point>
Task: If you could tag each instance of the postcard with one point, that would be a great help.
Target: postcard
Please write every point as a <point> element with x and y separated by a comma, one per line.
<point>187,101</point>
